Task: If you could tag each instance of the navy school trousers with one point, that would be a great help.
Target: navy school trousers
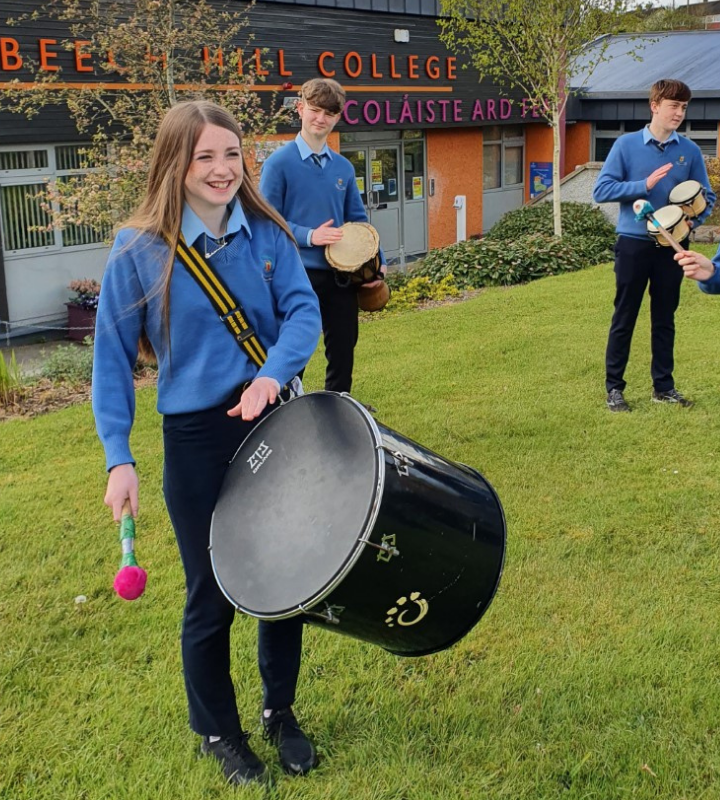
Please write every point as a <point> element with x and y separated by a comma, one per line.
<point>639,262</point>
<point>339,312</point>
<point>198,448</point>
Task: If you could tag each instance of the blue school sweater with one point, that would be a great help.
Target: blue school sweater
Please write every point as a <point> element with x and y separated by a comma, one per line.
<point>633,157</point>
<point>204,364</point>
<point>307,195</point>
<point>712,286</point>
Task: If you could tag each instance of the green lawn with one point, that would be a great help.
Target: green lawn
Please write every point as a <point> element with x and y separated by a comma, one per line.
<point>593,675</point>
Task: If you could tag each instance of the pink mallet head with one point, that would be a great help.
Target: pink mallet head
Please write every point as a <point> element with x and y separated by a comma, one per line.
<point>130,582</point>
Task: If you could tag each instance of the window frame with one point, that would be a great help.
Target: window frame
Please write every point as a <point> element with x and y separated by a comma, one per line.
<point>506,141</point>
<point>42,175</point>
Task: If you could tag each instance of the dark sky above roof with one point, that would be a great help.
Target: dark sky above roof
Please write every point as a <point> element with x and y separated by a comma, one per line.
<point>690,56</point>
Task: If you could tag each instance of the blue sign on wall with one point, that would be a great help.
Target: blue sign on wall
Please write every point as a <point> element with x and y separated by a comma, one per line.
<point>540,177</point>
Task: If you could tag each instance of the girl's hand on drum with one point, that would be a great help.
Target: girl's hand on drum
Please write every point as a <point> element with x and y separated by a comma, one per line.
<point>695,265</point>
<point>122,485</point>
<point>326,234</point>
<point>261,393</point>
<point>655,177</point>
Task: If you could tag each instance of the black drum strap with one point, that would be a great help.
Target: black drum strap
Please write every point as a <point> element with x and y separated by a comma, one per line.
<point>228,308</point>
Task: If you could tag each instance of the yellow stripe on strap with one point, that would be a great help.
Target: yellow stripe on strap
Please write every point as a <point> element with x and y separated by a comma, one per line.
<point>190,263</point>
<point>222,299</point>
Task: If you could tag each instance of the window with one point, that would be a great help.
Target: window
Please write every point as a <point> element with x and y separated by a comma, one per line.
<point>23,218</point>
<point>503,156</point>
<point>24,175</point>
<point>11,160</point>
<point>703,132</point>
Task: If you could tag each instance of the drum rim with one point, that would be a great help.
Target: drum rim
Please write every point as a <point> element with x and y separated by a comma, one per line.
<point>360,544</point>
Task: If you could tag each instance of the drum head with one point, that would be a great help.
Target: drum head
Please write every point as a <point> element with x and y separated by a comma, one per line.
<point>298,495</point>
<point>667,216</point>
<point>685,192</point>
<point>359,244</point>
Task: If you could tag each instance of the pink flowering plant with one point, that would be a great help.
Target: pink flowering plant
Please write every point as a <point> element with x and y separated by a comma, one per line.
<point>87,293</point>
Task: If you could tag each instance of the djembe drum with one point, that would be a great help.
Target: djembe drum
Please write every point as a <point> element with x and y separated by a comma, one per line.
<point>356,260</point>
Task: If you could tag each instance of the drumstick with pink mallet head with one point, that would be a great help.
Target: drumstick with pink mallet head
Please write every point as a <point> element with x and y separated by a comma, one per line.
<point>130,580</point>
<point>644,210</point>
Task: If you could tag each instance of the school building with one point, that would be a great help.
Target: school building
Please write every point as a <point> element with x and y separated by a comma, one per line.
<point>437,153</point>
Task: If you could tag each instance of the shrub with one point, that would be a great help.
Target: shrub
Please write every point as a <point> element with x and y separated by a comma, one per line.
<point>482,262</point>
<point>578,219</point>
<point>713,168</point>
<point>420,289</point>
<point>70,364</point>
<point>410,291</point>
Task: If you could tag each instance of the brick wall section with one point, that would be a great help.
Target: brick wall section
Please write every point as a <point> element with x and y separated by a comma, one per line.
<point>538,147</point>
<point>577,145</point>
<point>454,159</point>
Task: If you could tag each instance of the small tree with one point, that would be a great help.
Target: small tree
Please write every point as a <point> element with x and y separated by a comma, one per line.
<point>165,51</point>
<point>534,45</point>
<point>651,18</point>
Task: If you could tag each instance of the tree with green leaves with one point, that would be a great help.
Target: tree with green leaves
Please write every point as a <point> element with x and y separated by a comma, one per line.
<point>536,46</point>
<point>146,55</point>
<point>652,18</point>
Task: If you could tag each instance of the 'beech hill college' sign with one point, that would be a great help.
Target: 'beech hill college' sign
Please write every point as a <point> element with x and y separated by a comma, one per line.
<point>414,85</point>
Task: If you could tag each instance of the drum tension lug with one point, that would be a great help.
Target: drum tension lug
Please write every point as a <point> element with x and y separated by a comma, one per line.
<point>402,462</point>
<point>387,547</point>
<point>328,615</point>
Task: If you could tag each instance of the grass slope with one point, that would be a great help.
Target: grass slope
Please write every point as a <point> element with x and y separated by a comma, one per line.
<point>593,675</point>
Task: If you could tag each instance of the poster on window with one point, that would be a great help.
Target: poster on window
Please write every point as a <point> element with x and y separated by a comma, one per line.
<point>540,177</point>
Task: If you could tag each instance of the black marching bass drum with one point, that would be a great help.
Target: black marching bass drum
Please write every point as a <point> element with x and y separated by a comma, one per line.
<point>326,513</point>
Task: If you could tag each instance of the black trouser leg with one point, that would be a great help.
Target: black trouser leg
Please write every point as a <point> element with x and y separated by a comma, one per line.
<point>665,282</point>
<point>339,311</point>
<point>198,448</point>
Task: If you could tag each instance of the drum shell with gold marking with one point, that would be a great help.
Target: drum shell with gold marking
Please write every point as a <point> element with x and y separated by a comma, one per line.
<point>407,554</point>
<point>673,220</point>
<point>690,196</point>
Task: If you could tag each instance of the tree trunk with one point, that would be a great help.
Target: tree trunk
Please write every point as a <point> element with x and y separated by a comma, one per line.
<point>557,218</point>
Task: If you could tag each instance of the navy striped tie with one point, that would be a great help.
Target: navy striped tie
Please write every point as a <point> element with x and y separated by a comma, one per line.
<point>318,159</point>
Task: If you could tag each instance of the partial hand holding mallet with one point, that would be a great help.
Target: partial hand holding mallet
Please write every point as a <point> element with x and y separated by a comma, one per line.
<point>131,579</point>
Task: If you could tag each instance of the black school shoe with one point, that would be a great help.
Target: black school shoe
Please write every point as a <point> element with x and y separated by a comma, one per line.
<point>672,396</point>
<point>616,402</point>
<point>296,751</point>
<point>240,765</point>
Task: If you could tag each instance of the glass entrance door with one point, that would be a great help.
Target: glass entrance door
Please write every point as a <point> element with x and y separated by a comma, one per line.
<point>378,179</point>
<point>384,199</point>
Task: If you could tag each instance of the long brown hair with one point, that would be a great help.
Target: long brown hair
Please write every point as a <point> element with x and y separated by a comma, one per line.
<point>160,212</point>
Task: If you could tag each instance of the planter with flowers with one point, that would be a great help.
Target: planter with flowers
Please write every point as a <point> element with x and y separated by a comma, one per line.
<point>82,308</point>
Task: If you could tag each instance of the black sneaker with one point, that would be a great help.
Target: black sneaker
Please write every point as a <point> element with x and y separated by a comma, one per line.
<point>240,765</point>
<point>616,401</point>
<point>296,751</point>
<point>673,396</point>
